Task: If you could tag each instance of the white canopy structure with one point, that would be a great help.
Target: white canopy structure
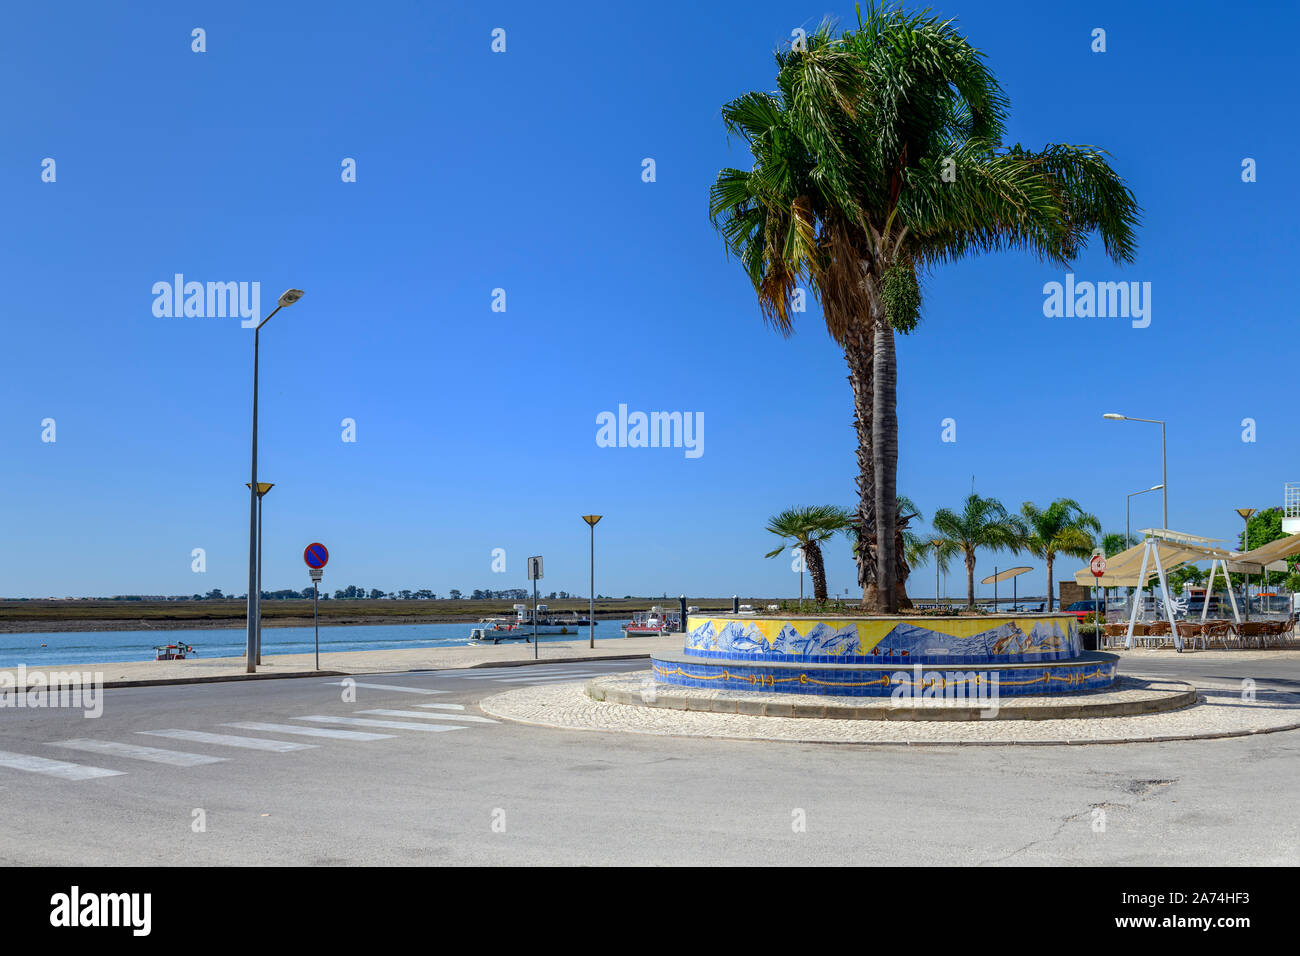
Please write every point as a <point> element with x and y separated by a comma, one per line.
<point>1266,556</point>
<point>1163,550</point>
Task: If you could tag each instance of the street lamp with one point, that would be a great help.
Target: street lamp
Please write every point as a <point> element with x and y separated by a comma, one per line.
<point>591,612</point>
<point>1245,546</point>
<point>1164,470</point>
<point>254,591</point>
<point>262,488</point>
<point>1128,501</point>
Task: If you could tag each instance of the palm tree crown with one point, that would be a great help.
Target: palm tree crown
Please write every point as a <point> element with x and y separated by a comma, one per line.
<point>1061,528</point>
<point>808,527</point>
<point>880,155</point>
<point>982,523</point>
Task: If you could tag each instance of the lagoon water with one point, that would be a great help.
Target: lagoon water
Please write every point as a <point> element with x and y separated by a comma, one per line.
<point>88,647</point>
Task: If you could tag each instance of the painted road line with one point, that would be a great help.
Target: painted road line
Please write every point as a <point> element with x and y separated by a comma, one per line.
<point>396,687</point>
<point>175,758</point>
<point>504,673</point>
<point>536,677</point>
<point>365,722</point>
<point>418,713</point>
<point>547,680</point>
<point>443,706</point>
<point>53,768</point>
<point>310,731</point>
<point>226,740</point>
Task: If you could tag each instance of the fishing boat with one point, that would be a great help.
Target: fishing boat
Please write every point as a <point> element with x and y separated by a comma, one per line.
<point>653,623</point>
<point>172,652</point>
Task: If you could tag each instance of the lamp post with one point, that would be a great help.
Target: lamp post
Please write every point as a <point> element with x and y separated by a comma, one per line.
<point>1128,501</point>
<point>1164,470</point>
<point>262,488</point>
<point>935,543</point>
<point>1245,546</point>
<point>591,612</point>
<point>254,595</point>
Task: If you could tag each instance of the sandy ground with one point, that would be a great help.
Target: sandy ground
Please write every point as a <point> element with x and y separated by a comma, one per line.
<point>365,662</point>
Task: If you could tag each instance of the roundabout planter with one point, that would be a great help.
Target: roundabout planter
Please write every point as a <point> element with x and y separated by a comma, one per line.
<point>907,656</point>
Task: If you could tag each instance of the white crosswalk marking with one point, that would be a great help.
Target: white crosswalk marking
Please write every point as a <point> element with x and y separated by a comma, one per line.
<point>504,673</point>
<point>443,706</point>
<point>227,740</point>
<point>396,687</point>
<point>53,768</point>
<point>310,731</point>
<point>562,675</point>
<point>366,722</point>
<point>426,716</point>
<point>176,758</point>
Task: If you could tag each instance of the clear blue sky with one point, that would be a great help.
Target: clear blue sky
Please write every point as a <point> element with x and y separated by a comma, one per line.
<point>522,170</point>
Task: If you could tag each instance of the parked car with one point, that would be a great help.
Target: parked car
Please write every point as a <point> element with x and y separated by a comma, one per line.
<point>1087,610</point>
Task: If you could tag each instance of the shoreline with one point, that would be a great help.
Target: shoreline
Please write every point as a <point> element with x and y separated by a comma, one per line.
<point>190,624</point>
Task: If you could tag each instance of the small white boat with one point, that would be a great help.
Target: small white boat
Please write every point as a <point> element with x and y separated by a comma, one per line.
<point>653,623</point>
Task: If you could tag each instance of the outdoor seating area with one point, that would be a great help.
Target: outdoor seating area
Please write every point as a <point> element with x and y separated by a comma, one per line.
<point>1209,634</point>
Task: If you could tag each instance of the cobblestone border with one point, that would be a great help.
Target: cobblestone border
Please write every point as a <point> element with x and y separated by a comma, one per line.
<point>1128,696</point>
<point>1217,714</point>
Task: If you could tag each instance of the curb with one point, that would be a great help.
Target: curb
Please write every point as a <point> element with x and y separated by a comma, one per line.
<point>598,689</point>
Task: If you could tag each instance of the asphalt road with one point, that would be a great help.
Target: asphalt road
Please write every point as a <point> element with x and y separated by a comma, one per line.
<point>466,790</point>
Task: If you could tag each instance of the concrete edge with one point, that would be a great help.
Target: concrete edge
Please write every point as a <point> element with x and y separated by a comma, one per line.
<point>1221,735</point>
<point>217,679</point>
<point>1175,700</point>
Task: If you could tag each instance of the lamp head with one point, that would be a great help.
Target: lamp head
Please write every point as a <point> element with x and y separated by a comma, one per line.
<point>289,297</point>
<point>1114,416</point>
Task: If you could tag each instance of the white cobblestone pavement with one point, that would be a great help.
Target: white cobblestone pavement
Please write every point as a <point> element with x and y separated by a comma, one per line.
<point>1223,711</point>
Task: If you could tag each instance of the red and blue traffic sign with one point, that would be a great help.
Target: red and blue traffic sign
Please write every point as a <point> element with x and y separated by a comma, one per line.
<point>316,555</point>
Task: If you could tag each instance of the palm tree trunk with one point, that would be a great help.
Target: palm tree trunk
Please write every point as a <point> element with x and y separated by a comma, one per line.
<point>970,579</point>
<point>904,569</point>
<point>812,553</point>
<point>1051,597</point>
<point>858,354</point>
<point>884,450</point>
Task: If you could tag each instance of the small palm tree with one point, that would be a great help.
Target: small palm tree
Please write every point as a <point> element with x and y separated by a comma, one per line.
<point>922,548</point>
<point>1115,542</point>
<point>1061,528</point>
<point>982,523</point>
<point>808,528</point>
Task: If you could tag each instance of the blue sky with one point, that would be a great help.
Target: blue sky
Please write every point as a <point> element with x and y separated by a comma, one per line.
<point>476,429</point>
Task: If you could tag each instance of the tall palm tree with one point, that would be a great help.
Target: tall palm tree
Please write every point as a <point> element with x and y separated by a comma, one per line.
<point>808,528</point>
<point>1061,528</point>
<point>881,157</point>
<point>982,523</point>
